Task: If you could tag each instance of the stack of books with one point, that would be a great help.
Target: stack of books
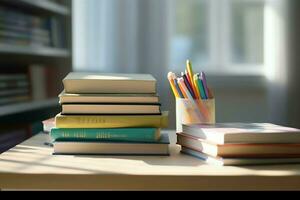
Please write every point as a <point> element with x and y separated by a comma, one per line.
<point>14,85</point>
<point>241,143</point>
<point>25,29</point>
<point>110,114</point>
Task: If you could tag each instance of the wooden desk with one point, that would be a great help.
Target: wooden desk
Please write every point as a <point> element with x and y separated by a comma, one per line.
<point>30,165</point>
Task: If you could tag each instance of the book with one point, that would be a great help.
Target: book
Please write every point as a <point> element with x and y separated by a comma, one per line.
<point>238,161</point>
<point>111,121</point>
<point>224,133</point>
<point>21,28</point>
<point>110,109</point>
<point>108,98</point>
<point>239,150</point>
<point>105,134</point>
<point>160,147</point>
<point>76,82</point>
<point>13,77</point>
<point>13,84</point>
<point>48,125</point>
<point>38,82</point>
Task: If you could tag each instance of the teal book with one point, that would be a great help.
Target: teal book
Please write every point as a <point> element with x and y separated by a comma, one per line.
<point>106,134</point>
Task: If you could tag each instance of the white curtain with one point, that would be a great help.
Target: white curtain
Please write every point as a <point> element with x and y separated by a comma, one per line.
<point>276,62</point>
<point>122,36</point>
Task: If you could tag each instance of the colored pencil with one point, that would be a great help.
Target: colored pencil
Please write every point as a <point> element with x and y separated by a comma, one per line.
<point>203,78</point>
<point>188,85</point>
<point>191,75</point>
<point>174,78</point>
<point>173,87</point>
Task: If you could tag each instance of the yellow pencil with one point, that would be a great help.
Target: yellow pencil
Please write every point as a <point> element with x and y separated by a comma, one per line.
<point>197,86</point>
<point>176,94</point>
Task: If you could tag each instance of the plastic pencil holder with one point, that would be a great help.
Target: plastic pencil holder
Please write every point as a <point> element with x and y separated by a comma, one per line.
<point>195,111</point>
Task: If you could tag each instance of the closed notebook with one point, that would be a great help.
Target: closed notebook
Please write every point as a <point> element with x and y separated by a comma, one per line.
<point>110,108</point>
<point>108,98</point>
<point>239,150</point>
<point>160,147</point>
<point>105,134</point>
<point>238,161</point>
<point>77,82</point>
<point>224,133</point>
<point>111,121</point>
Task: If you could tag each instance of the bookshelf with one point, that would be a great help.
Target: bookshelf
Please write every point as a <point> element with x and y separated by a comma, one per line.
<point>27,106</point>
<point>35,41</point>
<point>33,51</point>
<point>41,6</point>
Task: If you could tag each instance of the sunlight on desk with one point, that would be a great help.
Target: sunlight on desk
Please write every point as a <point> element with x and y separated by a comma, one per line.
<point>34,159</point>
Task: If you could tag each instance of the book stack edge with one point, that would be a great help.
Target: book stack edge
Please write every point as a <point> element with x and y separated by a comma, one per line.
<point>241,143</point>
<point>110,114</point>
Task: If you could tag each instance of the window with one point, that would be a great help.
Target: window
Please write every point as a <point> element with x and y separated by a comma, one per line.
<point>218,35</point>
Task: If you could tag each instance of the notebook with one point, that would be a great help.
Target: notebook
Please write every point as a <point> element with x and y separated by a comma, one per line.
<point>77,82</point>
<point>160,147</point>
<point>110,109</point>
<point>224,133</point>
<point>238,161</point>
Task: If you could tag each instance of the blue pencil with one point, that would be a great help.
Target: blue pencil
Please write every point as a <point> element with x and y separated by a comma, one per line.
<point>201,87</point>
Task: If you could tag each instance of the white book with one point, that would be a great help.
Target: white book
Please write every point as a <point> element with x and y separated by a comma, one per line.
<point>77,82</point>
<point>160,147</point>
<point>225,133</point>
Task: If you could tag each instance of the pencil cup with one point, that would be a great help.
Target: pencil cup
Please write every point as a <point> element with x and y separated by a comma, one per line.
<point>194,111</point>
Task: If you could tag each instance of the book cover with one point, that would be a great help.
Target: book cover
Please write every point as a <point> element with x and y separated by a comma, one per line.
<point>110,108</point>
<point>223,133</point>
<point>160,147</point>
<point>111,121</point>
<point>108,98</point>
<point>105,134</point>
<point>76,82</point>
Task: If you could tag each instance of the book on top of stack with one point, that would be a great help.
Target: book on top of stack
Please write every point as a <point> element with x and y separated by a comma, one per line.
<point>117,114</point>
<point>241,143</point>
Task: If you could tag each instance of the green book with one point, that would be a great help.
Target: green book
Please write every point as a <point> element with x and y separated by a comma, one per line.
<point>106,134</point>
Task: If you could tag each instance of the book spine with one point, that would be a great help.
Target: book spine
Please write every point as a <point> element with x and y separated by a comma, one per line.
<point>110,122</point>
<point>122,134</point>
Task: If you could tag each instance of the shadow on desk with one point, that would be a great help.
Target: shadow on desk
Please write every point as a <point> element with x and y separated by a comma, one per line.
<point>171,160</point>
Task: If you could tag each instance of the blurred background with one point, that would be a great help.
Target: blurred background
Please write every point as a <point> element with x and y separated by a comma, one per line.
<point>248,48</point>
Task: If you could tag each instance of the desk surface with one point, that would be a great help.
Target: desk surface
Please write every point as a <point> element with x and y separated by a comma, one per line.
<point>31,165</point>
